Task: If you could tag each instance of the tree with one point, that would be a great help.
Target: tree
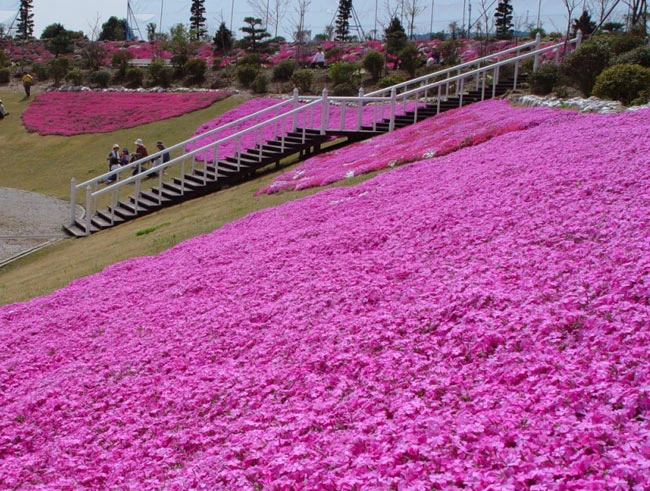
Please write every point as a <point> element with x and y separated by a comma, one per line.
<point>272,11</point>
<point>584,24</point>
<point>182,47</point>
<point>113,29</point>
<point>223,39</point>
<point>412,8</point>
<point>301,35</point>
<point>197,19</point>
<point>637,16</point>
<point>342,29</point>
<point>395,38</point>
<point>255,33</point>
<point>59,40</point>
<point>503,20</point>
<point>25,26</point>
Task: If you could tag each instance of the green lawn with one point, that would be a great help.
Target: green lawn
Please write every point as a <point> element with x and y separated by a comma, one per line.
<point>45,164</point>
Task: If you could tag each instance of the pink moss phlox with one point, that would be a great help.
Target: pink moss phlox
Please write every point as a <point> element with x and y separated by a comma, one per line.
<point>73,113</point>
<point>474,321</point>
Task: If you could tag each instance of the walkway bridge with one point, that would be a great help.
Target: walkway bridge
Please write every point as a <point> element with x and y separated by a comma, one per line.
<point>298,126</point>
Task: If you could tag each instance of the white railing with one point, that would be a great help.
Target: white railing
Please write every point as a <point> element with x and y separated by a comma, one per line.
<point>324,113</point>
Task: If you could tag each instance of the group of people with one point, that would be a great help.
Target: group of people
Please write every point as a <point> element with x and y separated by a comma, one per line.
<point>118,158</point>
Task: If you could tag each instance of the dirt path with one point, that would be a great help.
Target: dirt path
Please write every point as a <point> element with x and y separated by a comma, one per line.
<point>29,221</point>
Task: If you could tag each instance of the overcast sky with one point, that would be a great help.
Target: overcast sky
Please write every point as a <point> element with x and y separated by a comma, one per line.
<point>83,15</point>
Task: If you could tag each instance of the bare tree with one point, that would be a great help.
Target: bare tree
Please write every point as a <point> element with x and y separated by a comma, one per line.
<point>570,6</point>
<point>301,35</point>
<point>636,20</point>
<point>271,11</point>
<point>600,8</point>
<point>412,8</point>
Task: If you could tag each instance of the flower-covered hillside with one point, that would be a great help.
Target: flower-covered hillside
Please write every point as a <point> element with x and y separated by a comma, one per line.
<point>477,321</point>
<point>73,113</point>
<point>445,133</point>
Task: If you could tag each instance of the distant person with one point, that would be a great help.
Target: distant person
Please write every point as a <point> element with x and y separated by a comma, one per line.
<point>28,80</point>
<point>140,153</point>
<point>319,59</point>
<point>113,159</point>
<point>3,110</point>
<point>165,156</point>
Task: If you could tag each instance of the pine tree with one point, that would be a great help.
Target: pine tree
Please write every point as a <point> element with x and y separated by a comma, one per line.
<point>255,33</point>
<point>503,20</point>
<point>197,19</point>
<point>223,39</point>
<point>395,38</point>
<point>343,20</point>
<point>25,26</point>
<point>584,24</point>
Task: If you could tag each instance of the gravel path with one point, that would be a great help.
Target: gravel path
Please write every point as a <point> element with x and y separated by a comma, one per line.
<point>29,221</point>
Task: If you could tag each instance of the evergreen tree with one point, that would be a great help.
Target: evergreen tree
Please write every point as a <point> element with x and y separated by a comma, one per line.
<point>25,26</point>
<point>223,39</point>
<point>503,20</point>
<point>395,36</point>
<point>197,19</point>
<point>255,33</point>
<point>113,29</point>
<point>343,20</point>
<point>584,24</point>
<point>58,39</point>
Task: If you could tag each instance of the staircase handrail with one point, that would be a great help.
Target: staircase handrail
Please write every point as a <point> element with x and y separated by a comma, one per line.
<point>456,67</point>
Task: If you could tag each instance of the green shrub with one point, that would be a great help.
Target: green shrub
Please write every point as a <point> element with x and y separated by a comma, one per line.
<point>303,80</point>
<point>620,43</point>
<point>638,56</point>
<point>450,52</point>
<point>390,80</point>
<point>120,59</point>
<point>260,84</point>
<point>250,59</point>
<point>581,67</point>
<point>345,89</point>
<point>284,70</point>
<point>409,59</point>
<point>344,72</point>
<point>622,83</point>
<point>246,74</point>
<point>195,71</point>
<point>58,68</point>
<point>333,54</point>
<point>134,77</point>
<point>161,75</point>
<point>5,75</point>
<point>75,77</point>
<point>100,78</point>
<point>374,63</point>
<point>40,71</point>
<point>544,78</point>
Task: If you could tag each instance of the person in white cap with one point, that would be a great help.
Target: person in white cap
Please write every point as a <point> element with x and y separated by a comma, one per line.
<point>140,153</point>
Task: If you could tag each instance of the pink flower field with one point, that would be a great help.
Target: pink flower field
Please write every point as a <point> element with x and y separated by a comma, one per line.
<point>73,113</point>
<point>466,126</point>
<point>476,321</point>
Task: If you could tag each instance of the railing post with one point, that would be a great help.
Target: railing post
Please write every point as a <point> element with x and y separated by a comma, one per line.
<point>325,113</point>
<point>88,209</point>
<point>73,200</point>
<point>578,38</point>
<point>393,102</point>
<point>360,109</point>
<point>495,81</point>
<point>295,106</point>
<point>538,40</point>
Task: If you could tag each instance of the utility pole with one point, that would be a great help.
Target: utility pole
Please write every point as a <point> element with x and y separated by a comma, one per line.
<point>469,20</point>
<point>431,25</point>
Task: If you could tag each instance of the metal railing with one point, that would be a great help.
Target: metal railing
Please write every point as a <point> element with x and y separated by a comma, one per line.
<point>324,113</point>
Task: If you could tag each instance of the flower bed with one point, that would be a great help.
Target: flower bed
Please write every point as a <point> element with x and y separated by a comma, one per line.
<point>466,126</point>
<point>73,113</point>
<point>480,323</point>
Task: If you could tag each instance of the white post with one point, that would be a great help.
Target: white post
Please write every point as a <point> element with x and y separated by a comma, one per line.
<point>360,109</point>
<point>578,38</point>
<point>88,209</point>
<point>73,200</point>
<point>295,106</point>
<point>538,40</point>
<point>325,112</point>
<point>393,101</point>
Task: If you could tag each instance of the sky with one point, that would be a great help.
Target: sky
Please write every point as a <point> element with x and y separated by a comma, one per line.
<point>88,15</point>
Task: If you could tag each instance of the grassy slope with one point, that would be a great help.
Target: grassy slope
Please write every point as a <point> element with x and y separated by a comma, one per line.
<point>46,164</point>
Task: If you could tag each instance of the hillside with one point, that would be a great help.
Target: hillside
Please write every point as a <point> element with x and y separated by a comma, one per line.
<point>476,320</point>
